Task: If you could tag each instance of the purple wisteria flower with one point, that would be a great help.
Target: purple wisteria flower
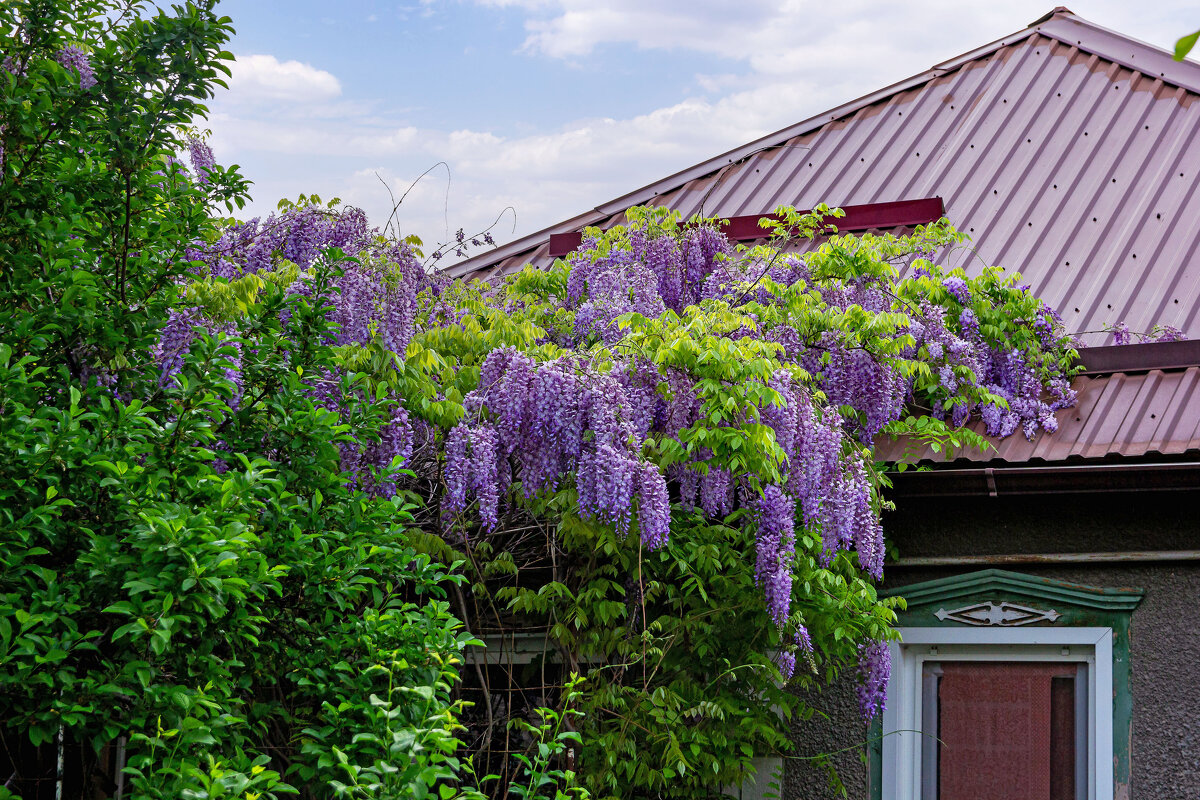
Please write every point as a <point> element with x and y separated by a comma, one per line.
<point>958,288</point>
<point>1169,333</point>
<point>785,660</point>
<point>72,58</point>
<point>874,669</point>
<point>201,156</point>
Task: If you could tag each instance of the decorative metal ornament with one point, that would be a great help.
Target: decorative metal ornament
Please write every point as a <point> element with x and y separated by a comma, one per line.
<point>1004,615</point>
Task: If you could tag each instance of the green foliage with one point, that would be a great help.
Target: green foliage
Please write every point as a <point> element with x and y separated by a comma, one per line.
<point>676,644</point>
<point>681,691</point>
<point>187,576</point>
<point>1185,45</point>
<point>553,739</point>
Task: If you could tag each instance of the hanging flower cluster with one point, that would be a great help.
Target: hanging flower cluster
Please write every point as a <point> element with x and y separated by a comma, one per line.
<point>537,424</point>
<point>374,306</point>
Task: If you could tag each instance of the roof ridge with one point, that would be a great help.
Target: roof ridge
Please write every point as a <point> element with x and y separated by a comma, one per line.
<point>1114,46</point>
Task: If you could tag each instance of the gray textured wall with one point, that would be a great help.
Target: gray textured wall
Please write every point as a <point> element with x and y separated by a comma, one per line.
<point>1165,630</point>
<point>835,728</point>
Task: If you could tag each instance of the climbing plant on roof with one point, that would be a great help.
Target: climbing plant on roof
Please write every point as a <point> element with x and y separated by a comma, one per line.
<point>690,425</point>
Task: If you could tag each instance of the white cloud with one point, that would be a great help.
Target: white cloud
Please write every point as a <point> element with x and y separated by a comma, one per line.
<point>258,78</point>
<point>779,36</point>
<point>799,57</point>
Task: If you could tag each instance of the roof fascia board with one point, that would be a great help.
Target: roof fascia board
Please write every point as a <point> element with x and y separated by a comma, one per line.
<point>1120,49</point>
<point>1142,357</point>
<point>863,217</point>
<point>951,480</point>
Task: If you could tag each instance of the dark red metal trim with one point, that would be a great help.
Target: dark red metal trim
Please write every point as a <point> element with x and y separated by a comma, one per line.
<point>898,214</point>
<point>1140,357</point>
<point>563,243</point>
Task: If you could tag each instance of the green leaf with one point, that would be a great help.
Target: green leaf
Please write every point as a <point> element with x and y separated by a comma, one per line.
<point>1185,45</point>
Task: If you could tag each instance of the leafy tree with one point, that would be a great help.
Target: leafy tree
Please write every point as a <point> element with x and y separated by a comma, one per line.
<point>196,600</point>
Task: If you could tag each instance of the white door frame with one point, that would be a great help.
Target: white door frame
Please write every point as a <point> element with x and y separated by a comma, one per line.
<point>902,717</point>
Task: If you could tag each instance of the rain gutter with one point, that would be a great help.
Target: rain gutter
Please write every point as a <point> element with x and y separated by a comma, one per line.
<point>1054,479</point>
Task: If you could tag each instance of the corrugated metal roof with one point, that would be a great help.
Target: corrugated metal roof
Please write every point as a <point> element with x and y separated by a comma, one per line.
<point>1118,415</point>
<point>1067,152</point>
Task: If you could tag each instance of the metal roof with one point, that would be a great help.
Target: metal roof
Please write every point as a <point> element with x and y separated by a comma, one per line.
<point>1066,151</point>
<point>1118,415</point>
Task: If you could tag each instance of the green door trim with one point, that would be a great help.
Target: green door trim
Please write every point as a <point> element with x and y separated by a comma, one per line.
<point>1064,604</point>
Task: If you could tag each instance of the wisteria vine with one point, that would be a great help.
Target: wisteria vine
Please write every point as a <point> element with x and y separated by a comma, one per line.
<point>659,371</point>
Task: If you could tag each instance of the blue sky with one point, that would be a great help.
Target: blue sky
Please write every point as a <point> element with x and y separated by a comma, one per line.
<point>550,107</point>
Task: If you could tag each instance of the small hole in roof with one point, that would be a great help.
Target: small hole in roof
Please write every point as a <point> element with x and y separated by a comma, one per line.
<point>973,230</point>
<point>1077,311</point>
<point>1060,94</point>
<point>1110,306</point>
<point>1158,216</point>
<point>1093,219</point>
<point>1031,224</point>
<point>1176,299</point>
<point>1068,263</point>
<point>918,155</point>
<point>1027,141</point>
<point>1056,186</point>
<point>1153,416</point>
<point>1114,180</point>
<point>994,191</point>
<point>1085,133</point>
<point>862,159</point>
<point>951,108</point>
<point>1181,174</point>
<point>1135,255</point>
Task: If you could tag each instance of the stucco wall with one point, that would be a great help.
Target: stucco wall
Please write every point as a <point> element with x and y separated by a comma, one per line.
<point>830,740</point>
<point>1165,631</point>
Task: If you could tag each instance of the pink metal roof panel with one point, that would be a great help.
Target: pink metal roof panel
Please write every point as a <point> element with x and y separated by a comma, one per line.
<point>1118,415</point>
